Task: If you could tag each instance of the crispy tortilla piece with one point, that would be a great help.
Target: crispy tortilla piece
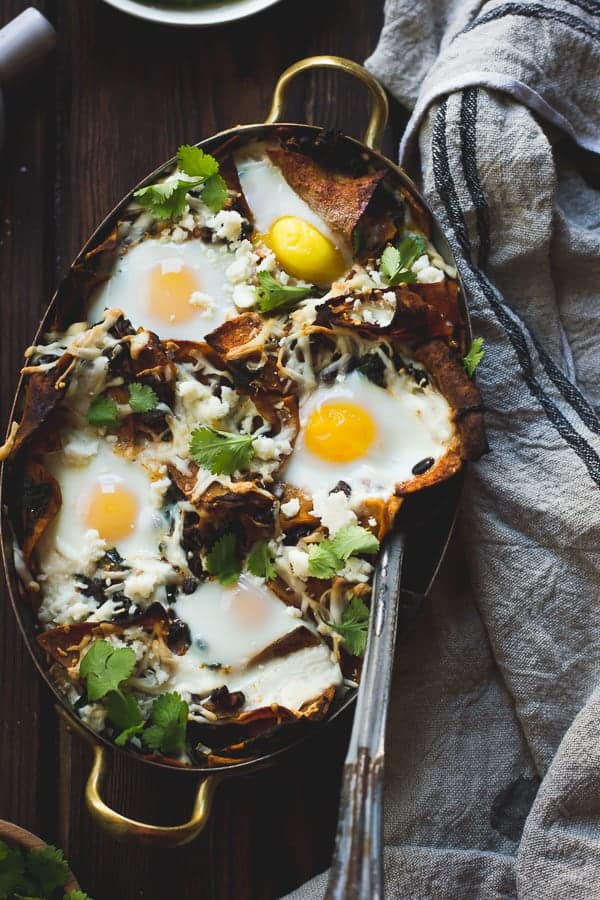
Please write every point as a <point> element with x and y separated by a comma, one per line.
<point>447,466</point>
<point>242,505</point>
<point>295,640</point>
<point>461,392</point>
<point>41,502</point>
<point>81,281</point>
<point>443,296</point>
<point>43,393</point>
<point>65,643</point>
<point>339,199</point>
<point>239,337</point>
<point>383,511</point>
<point>412,319</point>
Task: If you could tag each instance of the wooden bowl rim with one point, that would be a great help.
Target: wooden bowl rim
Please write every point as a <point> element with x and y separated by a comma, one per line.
<point>14,834</point>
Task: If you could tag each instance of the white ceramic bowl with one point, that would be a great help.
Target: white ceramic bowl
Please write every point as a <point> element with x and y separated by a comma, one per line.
<point>206,12</point>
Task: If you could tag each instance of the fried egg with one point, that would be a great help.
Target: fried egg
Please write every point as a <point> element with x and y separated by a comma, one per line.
<point>229,627</point>
<point>367,436</point>
<point>174,289</point>
<point>108,495</point>
<point>303,243</point>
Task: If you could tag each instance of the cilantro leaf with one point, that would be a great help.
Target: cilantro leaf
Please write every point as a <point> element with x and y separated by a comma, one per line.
<point>474,356</point>
<point>354,539</point>
<point>214,192</point>
<point>195,162</point>
<point>223,559</point>
<point>396,262</point>
<point>12,869</point>
<point>260,561</point>
<point>48,868</point>
<point>274,295</point>
<point>168,717</point>
<point>103,411</point>
<point>165,200</point>
<point>142,398</point>
<point>125,714</point>
<point>220,452</point>
<point>104,667</point>
<point>328,557</point>
<point>77,895</point>
<point>354,626</point>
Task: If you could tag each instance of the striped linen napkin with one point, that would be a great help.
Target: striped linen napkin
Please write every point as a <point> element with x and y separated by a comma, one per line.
<point>493,751</point>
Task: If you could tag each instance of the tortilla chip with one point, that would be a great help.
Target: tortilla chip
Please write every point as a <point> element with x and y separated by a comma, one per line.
<point>446,368</point>
<point>41,502</point>
<point>339,199</point>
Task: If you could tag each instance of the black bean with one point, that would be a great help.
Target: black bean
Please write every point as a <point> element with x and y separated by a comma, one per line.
<point>422,466</point>
<point>189,584</point>
<point>343,487</point>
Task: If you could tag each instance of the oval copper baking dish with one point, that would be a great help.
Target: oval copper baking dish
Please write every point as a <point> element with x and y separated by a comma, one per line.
<point>426,544</point>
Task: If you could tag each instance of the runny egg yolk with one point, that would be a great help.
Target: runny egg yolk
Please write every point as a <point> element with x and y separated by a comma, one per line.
<point>303,251</point>
<point>340,431</point>
<point>169,289</point>
<point>111,509</point>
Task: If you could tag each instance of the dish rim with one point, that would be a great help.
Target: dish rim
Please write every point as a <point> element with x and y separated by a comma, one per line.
<point>210,14</point>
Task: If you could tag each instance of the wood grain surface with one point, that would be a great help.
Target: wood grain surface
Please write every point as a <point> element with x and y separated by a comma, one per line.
<point>116,99</point>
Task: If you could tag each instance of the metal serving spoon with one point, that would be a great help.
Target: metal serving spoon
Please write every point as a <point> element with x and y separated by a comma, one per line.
<point>357,867</point>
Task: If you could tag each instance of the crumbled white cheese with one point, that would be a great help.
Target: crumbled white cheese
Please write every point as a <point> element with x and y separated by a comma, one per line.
<point>199,403</point>
<point>244,296</point>
<point>242,267</point>
<point>226,225</point>
<point>430,275</point>
<point>271,448</point>
<point>148,574</point>
<point>79,446</point>
<point>204,303</point>
<point>333,510</point>
<point>291,508</point>
<point>298,562</point>
<point>356,570</point>
<point>268,263</point>
<point>178,235</point>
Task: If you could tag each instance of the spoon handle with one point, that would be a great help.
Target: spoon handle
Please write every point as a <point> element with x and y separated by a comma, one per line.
<point>357,867</point>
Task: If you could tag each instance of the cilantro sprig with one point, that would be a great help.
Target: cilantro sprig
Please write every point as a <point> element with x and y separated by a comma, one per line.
<point>326,558</point>
<point>142,398</point>
<point>223,559</point>
<point>260,561</point>
<point>474,356</point>
<point>396,262</point>
<point>167,199</point>
<point>354,626</point>
<point>34,874</point>
<point>103,410</point>
<point>168,724</point>
<point>104,669</point>
<point>272,295</point>
<point>220,452</point>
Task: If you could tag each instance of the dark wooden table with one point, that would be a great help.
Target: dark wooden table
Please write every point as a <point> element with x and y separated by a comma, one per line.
<point>116,99</point>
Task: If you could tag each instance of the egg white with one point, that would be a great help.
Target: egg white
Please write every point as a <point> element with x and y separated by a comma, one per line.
<point>127,288</point>
<point>412,424</point>
<point>77,483</point>
<point>222,634</point>
<point>270,197</point>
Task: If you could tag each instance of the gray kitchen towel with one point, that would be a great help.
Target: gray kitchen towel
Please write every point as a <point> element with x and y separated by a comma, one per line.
<point>493,749</point>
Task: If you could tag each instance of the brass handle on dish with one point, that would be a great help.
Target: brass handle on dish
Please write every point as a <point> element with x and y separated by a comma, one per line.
<point>379,113</point>
<point>124,829</point>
